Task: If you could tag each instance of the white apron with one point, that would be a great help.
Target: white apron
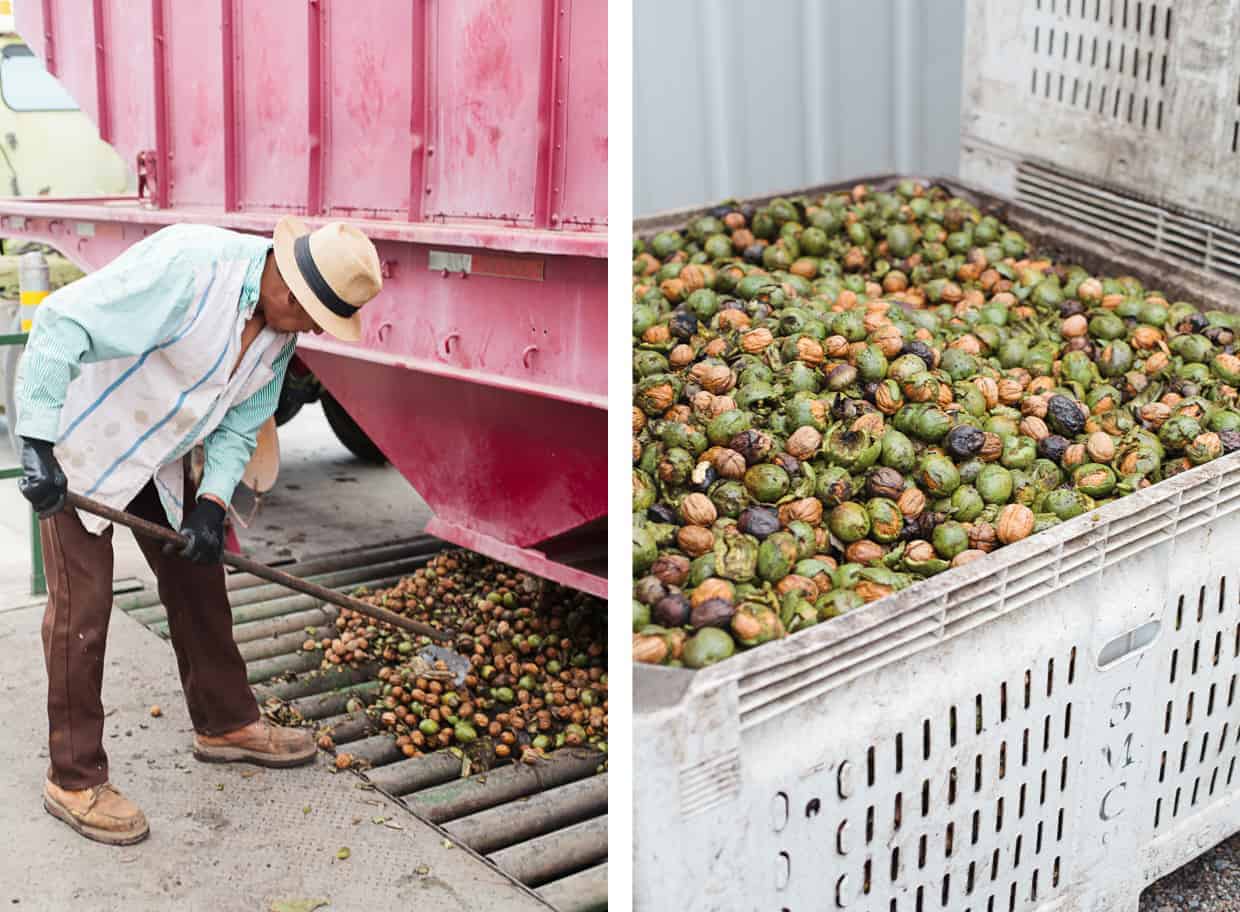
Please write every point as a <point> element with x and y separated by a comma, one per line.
<point>128,420</point>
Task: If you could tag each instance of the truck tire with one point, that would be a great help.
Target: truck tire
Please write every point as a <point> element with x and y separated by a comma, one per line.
<point>300,388</point>
<point>348,433</point>
<point>286,408</point>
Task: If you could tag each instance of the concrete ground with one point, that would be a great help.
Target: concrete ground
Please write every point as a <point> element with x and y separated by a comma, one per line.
<point>229,837</point>
<point>1211,883</point>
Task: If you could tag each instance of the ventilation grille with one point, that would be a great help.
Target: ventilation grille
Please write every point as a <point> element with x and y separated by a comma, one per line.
<point>967,810</point>
<point>920,624</point>
<point>1106,57</point>
<point>1155,229</point>
<point>710,783</point>
<point>1200,734</point>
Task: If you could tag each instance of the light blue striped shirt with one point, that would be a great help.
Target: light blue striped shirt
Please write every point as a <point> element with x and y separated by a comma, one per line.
<point>136,309</point>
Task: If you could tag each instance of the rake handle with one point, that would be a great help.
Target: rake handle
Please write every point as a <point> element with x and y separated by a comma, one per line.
<point>271,574</point>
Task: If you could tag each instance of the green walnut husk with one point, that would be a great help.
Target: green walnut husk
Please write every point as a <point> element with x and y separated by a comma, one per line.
<point>836,396</point>
<point>557,636</point>
<point>708,646</point>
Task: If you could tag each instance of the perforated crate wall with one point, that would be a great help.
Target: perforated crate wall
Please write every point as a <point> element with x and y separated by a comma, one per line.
<point>961,810</point>
<point>1054,723</point>
<point>1119,116</point>
<point>1200,737</point>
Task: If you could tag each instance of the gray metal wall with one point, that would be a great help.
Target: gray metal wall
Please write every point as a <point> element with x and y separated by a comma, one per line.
<point>740,97</point>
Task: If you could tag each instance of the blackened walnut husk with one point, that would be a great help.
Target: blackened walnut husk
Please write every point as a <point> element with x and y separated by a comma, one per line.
<point>671,569</point>
<point>843,408</point>
<point>1220,335</point>
<point>921,526</point>
<point>1230,440</point>
<point>649,589</point>
<point>662,513</point>
<point>683,325</point>
<point>712,613</point>
<point>704,475</point>
<point>788,463</point>
<point>1052,447</point>
<point>921,350</point>
<point>1195,323</point>
<point>884,482</point>
<point>1064,415</point>
<point>1186,388</point>
<point>964,441</point>
<point>753,445</point>
<point>759,521</point>
<point>671,611</point>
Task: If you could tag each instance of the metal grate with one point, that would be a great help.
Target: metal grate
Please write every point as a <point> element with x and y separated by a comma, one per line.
<point>1157,229</point>
<point>1107,57</point>
<point>544,825</point>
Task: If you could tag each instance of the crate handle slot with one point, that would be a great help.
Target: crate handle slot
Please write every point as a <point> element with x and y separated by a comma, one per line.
<point>1127,644</point>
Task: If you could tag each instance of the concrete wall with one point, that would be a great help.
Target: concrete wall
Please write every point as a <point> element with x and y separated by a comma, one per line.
<point>738,98</point>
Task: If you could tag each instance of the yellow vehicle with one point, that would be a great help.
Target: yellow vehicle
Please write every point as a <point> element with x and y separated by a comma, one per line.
<point>48,147</point>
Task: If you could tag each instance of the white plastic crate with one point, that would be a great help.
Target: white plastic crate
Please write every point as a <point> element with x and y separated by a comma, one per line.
<point>1123,115</point>
<point>1052,727</point>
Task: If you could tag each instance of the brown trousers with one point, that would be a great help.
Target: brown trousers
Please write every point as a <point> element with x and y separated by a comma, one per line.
<point>75,632</point>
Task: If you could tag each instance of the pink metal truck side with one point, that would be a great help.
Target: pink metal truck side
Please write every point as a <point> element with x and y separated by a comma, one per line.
<point>468,138</point>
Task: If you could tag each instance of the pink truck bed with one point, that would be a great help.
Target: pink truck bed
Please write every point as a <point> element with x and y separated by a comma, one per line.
<point>468,138</point>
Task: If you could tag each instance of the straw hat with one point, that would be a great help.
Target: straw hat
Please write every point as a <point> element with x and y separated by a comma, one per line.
<point>333,271</point>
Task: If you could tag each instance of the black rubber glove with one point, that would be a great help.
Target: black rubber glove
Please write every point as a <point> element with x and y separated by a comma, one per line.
<point>203,529</point>
<point>43,483</point>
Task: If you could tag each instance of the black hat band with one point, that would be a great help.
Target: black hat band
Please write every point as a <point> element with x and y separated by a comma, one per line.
<point>318,284</point>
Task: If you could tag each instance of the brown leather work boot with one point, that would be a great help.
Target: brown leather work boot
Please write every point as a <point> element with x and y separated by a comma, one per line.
<point>259,742</point>
<point>101,813</point>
